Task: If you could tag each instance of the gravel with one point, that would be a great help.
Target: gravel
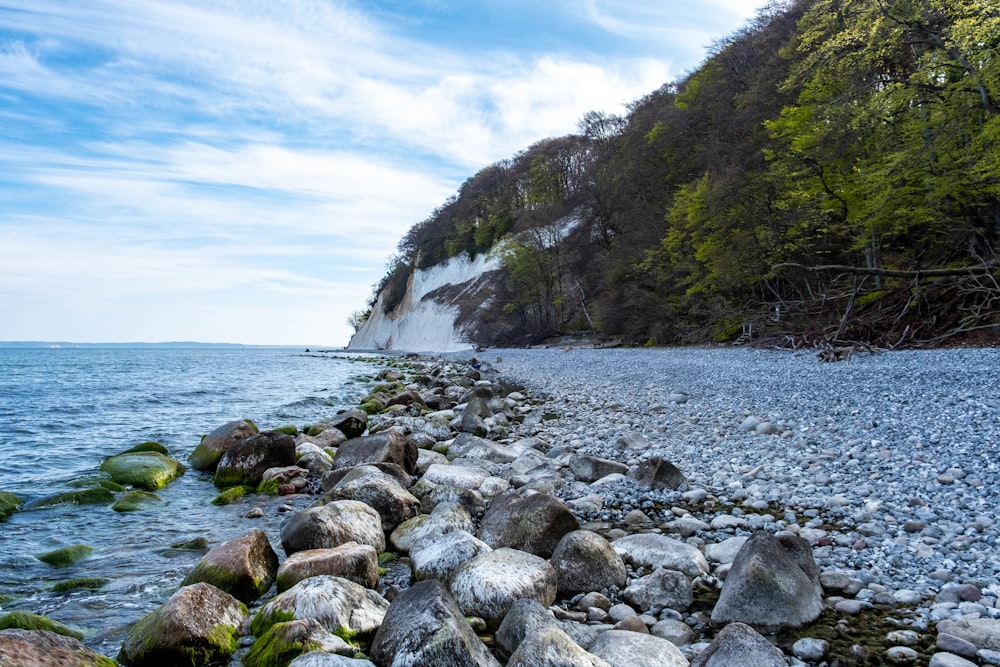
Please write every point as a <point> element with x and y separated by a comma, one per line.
<point>886,463</point>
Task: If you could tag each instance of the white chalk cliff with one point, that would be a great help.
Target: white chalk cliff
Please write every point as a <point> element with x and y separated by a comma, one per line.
<point>428,317</point>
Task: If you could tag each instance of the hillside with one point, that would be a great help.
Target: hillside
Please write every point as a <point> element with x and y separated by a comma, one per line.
<point>830,174</point>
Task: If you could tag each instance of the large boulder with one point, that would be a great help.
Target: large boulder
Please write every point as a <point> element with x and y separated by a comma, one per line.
<point>586,562</point>
<point>284,641</point>
<point>739,645</point>
<point>23,620</point>
<point>321,659</point>
<point>532,522</point>
<point>462,476</point>
<point>41,648</point>
<point>444,518</point>
<point>245,567</point>
<point>438,558</point>
<point>774,582</point>
<point>382,492</point>
<point>663,588</point>
<point>198,625</point>
<point>524,617</point>
<point>335,602</point>
<point>490,583</point>
<point>352,561</point>
<point>655,551</point>
<point>424,627</point>
<point>331,525</point>
<point>352,423</point>
<point>143,470</point>
<point>208,452</point>
<point>469,446</point>
<point>386,447</point>
<point>550,646</point>
<point>621,648</point>
<point>658,473</point>
<point>246,461</point>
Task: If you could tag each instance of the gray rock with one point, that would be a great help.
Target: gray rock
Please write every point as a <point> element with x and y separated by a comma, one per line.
<point>662,588</point>
<point>549,646</point>
<point>809,649</point>
<point>463,476</point>
<point>952,644</point>
<point>41,648</point>
<point>378,490</point>
<point>208,452</point>
<point>424,626</point>
<point>676,632</point>
<point>331,525</point>
<point>586,468</point>
<point>901,655</point>
<point>584,562</point>
<point>490,583</point>
<point>774,582</point>
<point>635,649</point>
<point>386,447</point>
<point>292,638</point>
<point>245,567</point>
<point>444,518</point>
<point>333,601</point>
<point>523,617</point>
<point>245,461</point>
<point>352,561</point>
<point>532,522</point>
<point>739,645</point>
<point>439,557</point>
<point>654,550</point>
<point>199,624</point>
<point>321,659</point>
<point>352,422</point>
<point>949,660</point>
<point>658,473</point>
<point>470,446</point>
<point>726,550</point>
<point>983,633</point>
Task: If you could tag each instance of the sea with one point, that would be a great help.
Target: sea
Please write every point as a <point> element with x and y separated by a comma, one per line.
<point>64,410</point>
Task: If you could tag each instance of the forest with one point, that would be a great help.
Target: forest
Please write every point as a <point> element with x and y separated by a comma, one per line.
<point>829,175</point>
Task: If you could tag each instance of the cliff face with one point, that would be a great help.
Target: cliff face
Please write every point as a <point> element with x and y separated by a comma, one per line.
<point>436,311</point>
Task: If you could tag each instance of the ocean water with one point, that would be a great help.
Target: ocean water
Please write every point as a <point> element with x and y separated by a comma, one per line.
<point>63,411</point>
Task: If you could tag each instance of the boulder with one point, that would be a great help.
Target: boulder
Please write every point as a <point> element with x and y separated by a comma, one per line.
<point>246,461</point>
<point>284,641</point>
<point>532,522</point>
<point>40,648</point>
<point>586,468</point>
<point>335,602</point>
<point>313,458</point>
<point>387,447</point>
<point>352,422</point>
<point>657,473</point>
<point>332,478</point>
<point>431,497</point>
<point>198,625</point>
<point>22,620</point>
<point>655,551</point>
<point>439,557</point>
<point>584,562</point>
<point>352,561</point>
<point>380,491</point>
<point>320,659</point>
<point>245,567</point>
<point>143,470</point>
<point>621,648</point>
<point>524,617</point>
<point>9,503</point>
<point>208,452</point>
<point>490,583</point>
<point>424,626</point>
<point>662,588</point>
<point>470,446</point>
<point>739,645</point>
<point>773,583</point>
<point>331,525</point>
<point>66,556</point>
<point>983,633</point>
<point>463,476</point>
<point>133,501</point>
<point>444,518</point>
<point>550,646</point>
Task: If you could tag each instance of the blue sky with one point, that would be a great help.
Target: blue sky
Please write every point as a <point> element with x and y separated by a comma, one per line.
<point>240,170</point>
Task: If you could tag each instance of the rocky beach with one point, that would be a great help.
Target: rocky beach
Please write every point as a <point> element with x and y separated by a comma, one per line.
<point>602,507</point>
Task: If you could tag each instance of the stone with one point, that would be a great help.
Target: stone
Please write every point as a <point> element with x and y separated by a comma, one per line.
<point>22,620</point>
<point>952,644</point>
<point>739,645</point>
<point>444,518</point>
<point>245,567</point>
<point>439,557</point>
<point>284,641</point>
<point>656,551</point>
<point>424,626</point>
<point>532,522</point>
<point>773,583</point>
<point>41,648</point>
<point>352,561</point>
<point>676,632</point>
<point>319,659</point>
<point>65,556</point>
<point>197,625</point>
<point>143,470</point>
<point>620,648</point>
<point>208,452</point>
<point>901,655</point>
<point>136,500</point>
<point>983,633</point>
<point>367,484</point>
<point>9,503</point>
<point>463,476</point>
<point>490,583</point>
<point>662,588</point>
<point>246,460</point>
<point>470,446</point>
<point>657,473</point>
<point>523,617</point>
<point>335,602</point>
<point>726,550</point>
<point>949,660</point>
<point>385,447</point>
<point>331,525</point>
<point>550,646</point>
<point>809,649</point>
<point>352,422</point>
<point>586,468</point>
<point>585,562</point>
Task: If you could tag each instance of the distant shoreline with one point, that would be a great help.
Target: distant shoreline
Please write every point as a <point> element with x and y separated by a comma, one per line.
<point>136,345</point>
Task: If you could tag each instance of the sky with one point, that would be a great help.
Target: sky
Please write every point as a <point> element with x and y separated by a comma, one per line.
<point>241,170</point>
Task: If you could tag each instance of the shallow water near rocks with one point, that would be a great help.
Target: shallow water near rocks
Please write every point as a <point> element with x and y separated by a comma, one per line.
<point>63,411</point>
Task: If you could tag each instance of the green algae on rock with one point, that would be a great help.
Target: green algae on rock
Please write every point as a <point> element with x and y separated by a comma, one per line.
<point>133,501</point>
<point>9,503</point>
<point>95,496</point>
<point>80,583</point>
<point>149,446</point>
<point>66,556</point>
<point>23,620</point>
<point>232,494</point>
<point>144,470</point>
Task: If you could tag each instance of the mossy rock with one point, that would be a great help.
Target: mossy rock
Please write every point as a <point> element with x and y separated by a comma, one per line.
<point>133,501</point>
<point>313,430</point>
<point>196,544</point>
<point>231,495</point>
<point>149,446</point>
<point>91,583</point>
<point>66,556</point>
<point>291,430</point>
<point>268,487</point>
<point>260,623</point>
<point>8,504</point>
<point>95,496</point>
<point>283,642</point>
<point>144,470</point>
<point>93,482</point>
<point>22,620</point>
<point>372,407</point>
